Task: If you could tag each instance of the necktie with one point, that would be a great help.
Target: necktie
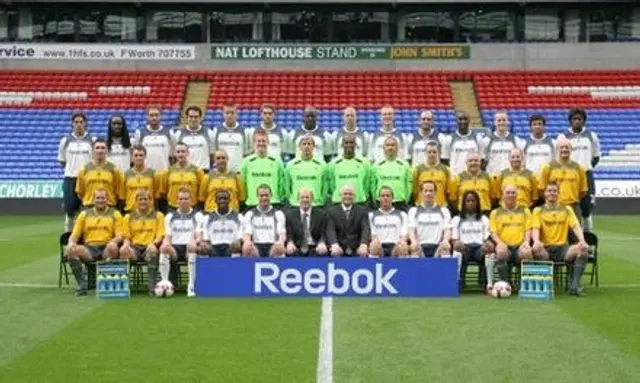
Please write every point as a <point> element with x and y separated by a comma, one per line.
<point>305,233</point>
<point>347,213</point>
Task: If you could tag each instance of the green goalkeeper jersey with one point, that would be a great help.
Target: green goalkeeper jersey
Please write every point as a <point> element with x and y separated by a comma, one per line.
<point>310,174</point>
<point>256,171</point>
<point>397,175</point>
<point>354,172</point>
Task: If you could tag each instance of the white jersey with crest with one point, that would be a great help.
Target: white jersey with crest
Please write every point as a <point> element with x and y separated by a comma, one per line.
<point>119,156</point>
<point>279,140</point>
<point>585,146</point>
<point>376,145</point>
<point>158,142</point>
<point>417,143</point>
<point>182,226</point>
<point>234,141</point>
<point>388,226</point>
<point>470,230</point>
<point>496,151</point>
<point>538,152</point>
<point>200,145</point>
<point>323,140</point>
<point>457,148</point>
<point>362,141</point>
<point>222,229</point>
<point>429,223</point>
<point>264,226</point>
<point>75,151</point>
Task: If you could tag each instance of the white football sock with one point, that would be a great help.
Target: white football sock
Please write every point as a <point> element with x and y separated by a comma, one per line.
<point>458,255</point>
<point>191,267</point>
<point>67,223</point>
<point>489,264</point>
<point>165,267</point>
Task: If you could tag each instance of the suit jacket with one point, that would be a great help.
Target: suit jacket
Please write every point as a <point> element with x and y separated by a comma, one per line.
<point>317,225</point>
<point>348,233</point>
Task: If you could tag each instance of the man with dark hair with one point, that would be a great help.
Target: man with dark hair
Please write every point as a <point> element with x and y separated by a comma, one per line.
<point>156,138</point>
<point>265,229</point>
<point>119,143</point>
<point>99,174</point>
<point>278,138</point>
<point>459,144</point>
<point>551,223</point>
<point>198,139</point>
<point>348,169</point>
<point>389,228</point>
<point>585,150</point>
<point>539,147</point>
<point>261,168</point>
<point>74,151</point>
<point>323,139</point>
<point>394,173</point>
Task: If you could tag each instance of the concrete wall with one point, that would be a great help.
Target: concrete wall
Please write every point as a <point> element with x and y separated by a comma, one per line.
<point>483,57</point>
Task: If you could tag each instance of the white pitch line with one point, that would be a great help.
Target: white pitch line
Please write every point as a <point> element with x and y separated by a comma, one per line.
<point>29,285</point>
<point>325,347</point>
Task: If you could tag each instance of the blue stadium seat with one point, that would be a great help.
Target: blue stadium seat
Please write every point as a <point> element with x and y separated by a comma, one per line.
<point>34,134</point>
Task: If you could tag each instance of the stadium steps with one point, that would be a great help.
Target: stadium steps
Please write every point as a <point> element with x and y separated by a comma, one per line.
<point>196,94</point>
<point>464,100</point>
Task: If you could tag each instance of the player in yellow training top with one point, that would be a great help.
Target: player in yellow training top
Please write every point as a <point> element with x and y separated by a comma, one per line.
<point>221,179</point>
<point>550,228</point>
<point>139,177</point>
<point>432,171</point>
<point>100,230</point>
<point>474,178</point>
<point>182,174</point>
<point>143,232</point>
<point>569,175</point>
<point>510,227</point>
<point>99,174</point>
<point>520,177</point>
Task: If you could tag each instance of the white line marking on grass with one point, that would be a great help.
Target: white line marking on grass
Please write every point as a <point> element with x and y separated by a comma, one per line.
<point>29,285</point>
<point>325,347</point>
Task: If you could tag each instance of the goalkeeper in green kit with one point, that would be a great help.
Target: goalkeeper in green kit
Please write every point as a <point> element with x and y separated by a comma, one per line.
<point>262,169</point>
<point>393,173</point>
<point>306,172</point>
<point>350,170</point>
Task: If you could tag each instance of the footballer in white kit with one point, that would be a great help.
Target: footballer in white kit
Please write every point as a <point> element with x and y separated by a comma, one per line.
<point>182,234</point>
<point>389,228</point>
<point>425,136</point>
<point>498,145</point>
<point>232,138</point>
<point>279,138</point>
<point>539,147</point>
<point>429,226</point>
<point>351,128</point>
<point>197,138</point>
<point>322,138</point>
<point>375,150</point>
<point>470,232</point>
<point>157,139</point>
<point>460,144</point>
<point>265,229</point>
<point>585,150</point>
<point>221,229</point>
<point>119,143</point>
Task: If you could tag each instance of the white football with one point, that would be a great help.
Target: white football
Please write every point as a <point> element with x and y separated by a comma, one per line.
<point>501,289</point>
<point>164,289</point>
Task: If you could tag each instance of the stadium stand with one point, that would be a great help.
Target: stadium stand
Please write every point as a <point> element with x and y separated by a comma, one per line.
<point>35,107</point>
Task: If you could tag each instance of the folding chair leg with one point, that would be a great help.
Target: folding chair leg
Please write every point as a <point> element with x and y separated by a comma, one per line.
<point>60,276</point>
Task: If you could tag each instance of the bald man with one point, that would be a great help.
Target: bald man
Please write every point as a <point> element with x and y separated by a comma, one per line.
<point>351,128</point>
<point>569,175</point>
<point>460,143</point>
<point>323,139</point>
<point>387,129</point>
<point>510,227</point>
<point>426,135</point>
<point>348,230</point>
<point>473,178</point>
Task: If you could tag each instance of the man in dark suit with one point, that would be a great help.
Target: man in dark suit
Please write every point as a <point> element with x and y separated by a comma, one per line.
<point>306,228</point>
<point>348,231</point>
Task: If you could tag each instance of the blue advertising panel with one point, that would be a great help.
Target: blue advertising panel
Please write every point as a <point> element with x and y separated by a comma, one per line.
<point>350,277</point>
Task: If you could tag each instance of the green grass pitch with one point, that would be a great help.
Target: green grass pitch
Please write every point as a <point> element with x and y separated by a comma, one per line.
<point>49,335</point>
